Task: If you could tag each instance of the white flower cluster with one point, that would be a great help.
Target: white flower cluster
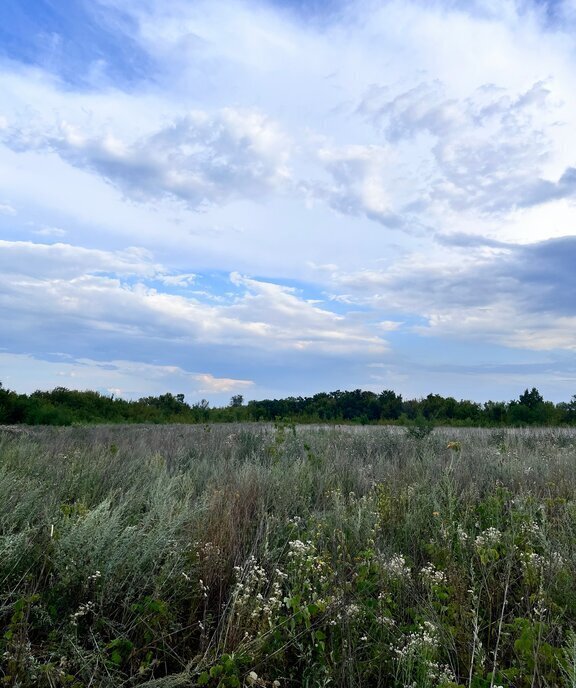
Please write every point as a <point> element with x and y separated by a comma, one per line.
<point>531,528</point>
<point>488,538</point>
<point>395,567</point>
<point>251,579</point>
<point>419,649</point>
<point>208,550</point>
<point>462,535</point>
<point>386,621</point>
<point>431,576</point>
<point>256,596</point>
<point>82,610</point>
<point>423,639</point>
<point>440,674</point>
<point>531,561</point>
<point>295,521</point>
<point>308,571</point>
<point>299,548</point>
<point>555,560</point>
<point>352,610</point>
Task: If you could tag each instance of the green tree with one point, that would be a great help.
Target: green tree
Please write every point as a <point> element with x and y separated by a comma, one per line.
<point>531,398</point>
<point>531,408</point>
<point>390,405</point>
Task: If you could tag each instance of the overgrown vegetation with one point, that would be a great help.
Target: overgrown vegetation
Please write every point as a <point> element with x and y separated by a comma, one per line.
<point>65,407</point>
<point>232,555</point>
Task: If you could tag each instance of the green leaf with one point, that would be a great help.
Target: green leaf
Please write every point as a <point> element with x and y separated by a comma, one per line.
<point>216,670</point>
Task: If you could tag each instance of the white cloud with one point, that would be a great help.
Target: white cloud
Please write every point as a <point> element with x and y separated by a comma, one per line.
<point>198,158</point>
<point>65,261</point>
<point>63,284</point>
<point>277,312</point>
<point>123,378</point>
<point>516,296</point>
<point>7,209</point>
<point>389,325</point>
<point>505,324</point>
<point>489,149</point>
<point>362,182</point>
<point>50,232</point>
<point>211,384</point>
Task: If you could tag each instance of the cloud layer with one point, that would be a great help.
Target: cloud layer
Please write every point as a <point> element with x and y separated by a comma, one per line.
<point>283,197</point>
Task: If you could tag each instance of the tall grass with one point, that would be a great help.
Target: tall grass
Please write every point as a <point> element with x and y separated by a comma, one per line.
<point>282,556</point>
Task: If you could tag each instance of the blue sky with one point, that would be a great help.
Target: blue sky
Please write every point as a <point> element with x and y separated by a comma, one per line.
<point>279,198</point>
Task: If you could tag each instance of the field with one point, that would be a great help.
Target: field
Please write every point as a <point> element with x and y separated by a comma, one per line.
<point>232,555</point>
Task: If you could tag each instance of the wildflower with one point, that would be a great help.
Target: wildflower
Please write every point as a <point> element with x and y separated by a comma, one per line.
<point>424,637</point>
<point>432,576</point>
<point>298,547</point>
<point>385,621</point>
<point>83,610</point>
<point>352,610</point>
<point>396,567</point>
<point>531,561</point>
<point>488,538</point>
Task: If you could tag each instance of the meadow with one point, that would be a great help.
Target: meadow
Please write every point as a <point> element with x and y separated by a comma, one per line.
<point>284,556</point>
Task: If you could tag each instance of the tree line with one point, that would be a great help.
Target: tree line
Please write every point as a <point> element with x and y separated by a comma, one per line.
<point>62,406</point>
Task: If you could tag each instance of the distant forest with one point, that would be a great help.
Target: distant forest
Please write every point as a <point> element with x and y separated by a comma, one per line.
<point>63,406</point>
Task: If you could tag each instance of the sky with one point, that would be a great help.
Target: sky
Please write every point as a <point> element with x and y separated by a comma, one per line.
<point>281,197</point>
